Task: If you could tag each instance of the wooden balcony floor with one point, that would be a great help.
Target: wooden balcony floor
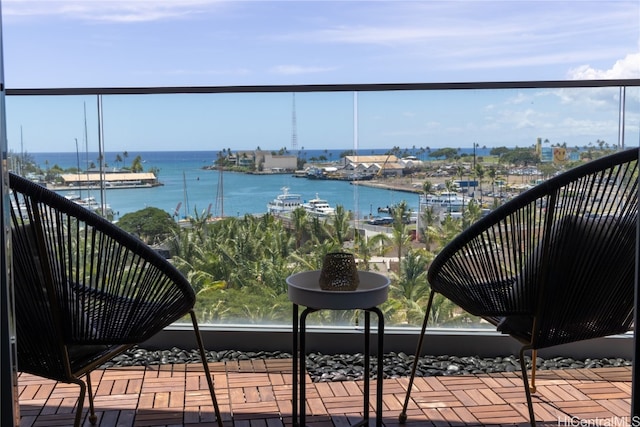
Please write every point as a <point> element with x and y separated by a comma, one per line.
<point>258,394</point>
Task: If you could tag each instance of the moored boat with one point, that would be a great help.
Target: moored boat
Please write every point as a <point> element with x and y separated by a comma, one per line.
<point>319,207</point>
<point>89,202</point>
<point>447,200</point>
<point>316,173</point>
<point>284,203</point>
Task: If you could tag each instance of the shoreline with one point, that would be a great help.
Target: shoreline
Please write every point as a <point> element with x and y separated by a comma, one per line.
<point>107,187</point>
<point>397,186</point>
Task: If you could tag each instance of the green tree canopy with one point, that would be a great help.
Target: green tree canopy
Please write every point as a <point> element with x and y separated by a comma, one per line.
<point>136,165</point>
<point>498,151</point>
<point>447,153</point>
<point>521,156</point>
<point>150,224</point>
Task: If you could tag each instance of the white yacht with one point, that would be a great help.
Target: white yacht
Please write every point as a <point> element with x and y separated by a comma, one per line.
<point>319,207</point>
<point>89,202</point>
<point>284,203</point>
<point>446,200</point>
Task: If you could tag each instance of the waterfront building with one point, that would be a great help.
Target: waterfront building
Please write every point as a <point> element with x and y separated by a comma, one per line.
<point>385,165</point>
<point>111,179</point>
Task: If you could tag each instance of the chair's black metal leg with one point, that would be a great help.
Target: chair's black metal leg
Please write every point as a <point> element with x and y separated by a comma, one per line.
<point>534,355</point>
<point>402,418</point>
<point>523,367</point>
<point>83,389</point>
<point>92,413</point>
<point>205,365</point>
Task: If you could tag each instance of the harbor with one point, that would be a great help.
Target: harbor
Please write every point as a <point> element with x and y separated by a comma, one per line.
<point>187,190</point>
<point>185,185</point>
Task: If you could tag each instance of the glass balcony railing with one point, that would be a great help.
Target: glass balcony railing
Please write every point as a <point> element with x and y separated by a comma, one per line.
<point>201,174</point>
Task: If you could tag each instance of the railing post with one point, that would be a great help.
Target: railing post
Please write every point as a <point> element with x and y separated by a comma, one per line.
<point>10,413</point>
<point>635,380</point>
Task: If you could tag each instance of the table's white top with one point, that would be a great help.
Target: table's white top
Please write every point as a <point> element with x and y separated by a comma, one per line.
<point>304,289</point>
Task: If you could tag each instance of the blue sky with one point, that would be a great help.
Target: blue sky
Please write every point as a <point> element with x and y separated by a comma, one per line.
<point>105,43</point>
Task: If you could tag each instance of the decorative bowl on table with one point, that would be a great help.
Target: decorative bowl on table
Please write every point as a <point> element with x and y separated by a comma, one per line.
<point>339,272</point>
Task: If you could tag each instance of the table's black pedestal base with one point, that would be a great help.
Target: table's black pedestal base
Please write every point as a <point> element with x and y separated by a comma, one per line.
<point>299,359</point>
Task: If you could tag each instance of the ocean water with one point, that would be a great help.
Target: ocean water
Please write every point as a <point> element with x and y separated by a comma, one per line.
<point>193,189</point>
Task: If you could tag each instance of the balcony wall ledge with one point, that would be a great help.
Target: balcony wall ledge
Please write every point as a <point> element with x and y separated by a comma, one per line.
<point>335,340</point>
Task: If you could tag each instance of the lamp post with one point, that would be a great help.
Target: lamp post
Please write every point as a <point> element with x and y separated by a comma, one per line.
<point>474,155</point>
<point>475,145</point>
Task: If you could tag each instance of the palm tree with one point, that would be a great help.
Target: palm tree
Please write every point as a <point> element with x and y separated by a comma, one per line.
<point>410,288</point>
<point>365,247</point>
<point>444,311</point>
<point>399,227</point>
<point>479,172</point>
<point>299,217</point>
<point>340,224</point>
<point>136,165</point>
<point>460,172</point>
<point>427,219</point>
<point>244,262</point>
<point>471,214</point>
<point>318,230</point>
<point>450,227</point>
<point>492,177</point>
<point>118,159</point>
<point>427,187</point>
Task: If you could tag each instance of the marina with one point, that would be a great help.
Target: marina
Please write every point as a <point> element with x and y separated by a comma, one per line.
<point>186,172</point>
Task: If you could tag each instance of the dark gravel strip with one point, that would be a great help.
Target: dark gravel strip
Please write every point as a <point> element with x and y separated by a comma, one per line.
<point>343,367</point>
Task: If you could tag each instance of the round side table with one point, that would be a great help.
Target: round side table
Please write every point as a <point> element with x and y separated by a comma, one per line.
<point>303,289</point>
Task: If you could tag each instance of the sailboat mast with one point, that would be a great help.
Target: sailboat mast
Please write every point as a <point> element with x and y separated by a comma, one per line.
<point>78,171</point>
<point>86,149</point>
<point>103,194</point>
<point>21,153</point>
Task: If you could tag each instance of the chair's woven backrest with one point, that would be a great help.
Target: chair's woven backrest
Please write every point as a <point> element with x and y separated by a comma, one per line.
<point>562,252</point>
<point>79,279</point>
<point>40,346</point>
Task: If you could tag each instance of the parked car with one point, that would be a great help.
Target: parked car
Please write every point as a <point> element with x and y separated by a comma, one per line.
<point>381,220</point>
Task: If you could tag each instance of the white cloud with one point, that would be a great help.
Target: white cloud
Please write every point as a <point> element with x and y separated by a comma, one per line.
<point>208,72</point>
<point>377,35</point>
<point>107,10</point>
<point>298,69</point>
<point>361,41</point>
<point>627,68</point>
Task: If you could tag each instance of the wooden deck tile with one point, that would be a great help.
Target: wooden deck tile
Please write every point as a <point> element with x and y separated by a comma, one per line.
<point>257,393</point>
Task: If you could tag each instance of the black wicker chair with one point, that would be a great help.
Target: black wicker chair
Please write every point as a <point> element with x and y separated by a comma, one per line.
<point>552,266</point>
<point>85,290</point>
